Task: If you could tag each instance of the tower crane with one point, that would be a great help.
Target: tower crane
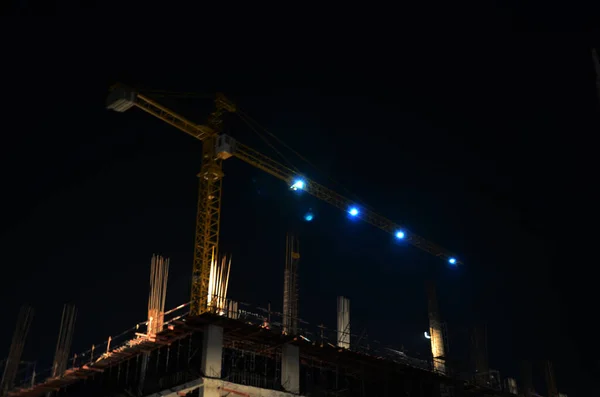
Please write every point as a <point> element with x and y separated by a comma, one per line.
<point>217,147</point>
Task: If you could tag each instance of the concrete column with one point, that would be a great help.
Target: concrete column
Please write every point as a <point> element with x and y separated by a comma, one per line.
<point>212,351</point>
<point>290,368</point>
<point>511,386</point>
<point>343,322</point>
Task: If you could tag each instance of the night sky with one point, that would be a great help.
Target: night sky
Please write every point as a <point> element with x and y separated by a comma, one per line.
<point>484,146</point>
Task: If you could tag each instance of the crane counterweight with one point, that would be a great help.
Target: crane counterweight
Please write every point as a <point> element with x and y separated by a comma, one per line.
<point>121,98</point>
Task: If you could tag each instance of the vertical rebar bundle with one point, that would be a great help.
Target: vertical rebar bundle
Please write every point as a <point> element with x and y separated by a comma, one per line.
<point>65,338</point>
<point>159,274</point>
<point>290,285</point>
<point>435,330</point>
<point>218,284</point>
<point>16,349</point>
<point>479,348</point>
<point>527,376</point>
<point>550,380</point>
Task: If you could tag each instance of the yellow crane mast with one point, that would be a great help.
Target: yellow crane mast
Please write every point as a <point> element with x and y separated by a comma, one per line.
<point>217,147</point>
<point>211,173</point>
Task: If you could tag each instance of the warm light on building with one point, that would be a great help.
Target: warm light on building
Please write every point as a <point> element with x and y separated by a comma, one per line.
<point>437,349</point>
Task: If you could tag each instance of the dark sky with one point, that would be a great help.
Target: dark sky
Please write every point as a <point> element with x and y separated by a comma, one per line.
<point>483,145</point>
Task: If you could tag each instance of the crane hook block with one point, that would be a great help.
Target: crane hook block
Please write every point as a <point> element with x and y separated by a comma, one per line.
<point>121,98</point>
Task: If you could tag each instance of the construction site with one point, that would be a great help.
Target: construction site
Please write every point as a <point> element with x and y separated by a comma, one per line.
<point>213,346</point>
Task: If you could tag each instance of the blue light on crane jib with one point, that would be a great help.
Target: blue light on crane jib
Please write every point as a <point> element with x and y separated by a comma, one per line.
<point>298,185</point>
<point>452,261</point>
<point>400,234</point>
<point>308,216</point>
<point>353,211</point>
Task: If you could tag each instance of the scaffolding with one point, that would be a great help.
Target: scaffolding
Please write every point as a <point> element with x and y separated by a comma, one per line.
<point>131,364</point>
<point>489,379</point>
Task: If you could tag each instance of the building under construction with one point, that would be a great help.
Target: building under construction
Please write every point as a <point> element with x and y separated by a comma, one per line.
<point>213,346</point>
<point>238,349</point>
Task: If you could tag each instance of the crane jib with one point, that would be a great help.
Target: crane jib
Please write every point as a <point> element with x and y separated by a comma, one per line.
<point>218,147</point>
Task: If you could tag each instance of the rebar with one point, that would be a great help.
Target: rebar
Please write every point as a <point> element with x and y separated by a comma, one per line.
<point>290,285</point>
<point>65,339</point>
<point>16,349</point>
<point>218,284</point>
<point>159,274</point>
